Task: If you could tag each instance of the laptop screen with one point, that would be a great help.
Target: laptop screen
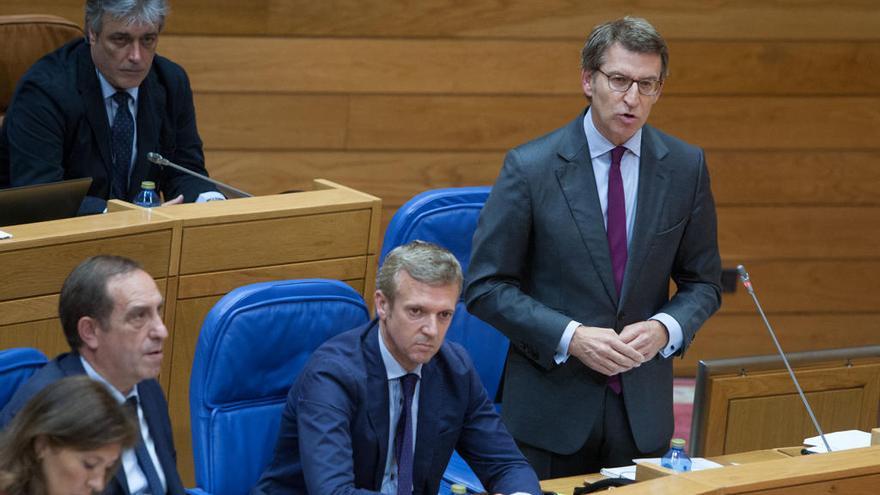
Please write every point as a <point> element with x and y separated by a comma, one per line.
<point>41,202</point>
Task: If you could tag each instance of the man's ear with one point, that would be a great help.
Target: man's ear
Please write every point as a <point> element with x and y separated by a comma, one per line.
<point>381,303</point>
<point>587,83</point>
<point>91,36</point>
<point>88,329</point>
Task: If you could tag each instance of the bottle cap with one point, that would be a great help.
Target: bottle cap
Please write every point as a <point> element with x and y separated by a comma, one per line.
<point>677,443</point>
<point>458,489</point>
<point>148,184</point>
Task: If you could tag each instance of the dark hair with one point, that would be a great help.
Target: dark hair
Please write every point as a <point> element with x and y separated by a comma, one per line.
<point>634,33</point>
<point>84,293</point>
<point>75,413</point>
<point>133,11</point>
<point>425,262</point>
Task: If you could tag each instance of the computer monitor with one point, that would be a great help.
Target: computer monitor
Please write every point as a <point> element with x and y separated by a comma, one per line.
<point>750,403</point>
<point>41,202</point>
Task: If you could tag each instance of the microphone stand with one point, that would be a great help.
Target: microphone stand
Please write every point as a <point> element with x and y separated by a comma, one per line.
<point>161,161</point>
<point>744,276</point>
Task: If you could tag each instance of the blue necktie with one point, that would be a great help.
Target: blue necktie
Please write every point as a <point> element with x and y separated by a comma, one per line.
<point>403,445</point>
<point>143,456</point>
<point>121,137</point>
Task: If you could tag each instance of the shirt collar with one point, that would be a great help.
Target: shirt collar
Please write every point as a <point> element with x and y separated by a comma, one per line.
<point>107,90</point>
<point>600,145</point>
<point>94,375</point>
<point>393,369</point>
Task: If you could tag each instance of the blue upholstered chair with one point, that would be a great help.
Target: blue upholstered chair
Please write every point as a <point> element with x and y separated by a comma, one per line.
<point>448,217</point>
<point>252,345</point>
<point>16,366</point>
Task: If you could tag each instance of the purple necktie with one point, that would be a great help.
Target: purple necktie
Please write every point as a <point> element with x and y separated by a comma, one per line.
<point>616,218</point>
<point>403,445</point>
<point>616,231</point>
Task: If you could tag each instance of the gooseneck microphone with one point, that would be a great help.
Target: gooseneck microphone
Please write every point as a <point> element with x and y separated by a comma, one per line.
<point>162,162</point>
<point>744,276</point>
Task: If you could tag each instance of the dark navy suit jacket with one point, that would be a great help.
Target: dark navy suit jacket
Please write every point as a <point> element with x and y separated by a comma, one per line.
<point>152,402</point>
<point>57,128</point>
<point>334,431</point>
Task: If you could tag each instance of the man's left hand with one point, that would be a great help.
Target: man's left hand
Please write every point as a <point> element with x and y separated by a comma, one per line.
<point>176,201</point>
<point>647,337</point>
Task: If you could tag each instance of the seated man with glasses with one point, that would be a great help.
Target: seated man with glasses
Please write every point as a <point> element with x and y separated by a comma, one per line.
<point>572,260</point>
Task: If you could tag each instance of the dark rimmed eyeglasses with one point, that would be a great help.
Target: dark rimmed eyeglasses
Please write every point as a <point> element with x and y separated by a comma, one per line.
<point>621,84</point>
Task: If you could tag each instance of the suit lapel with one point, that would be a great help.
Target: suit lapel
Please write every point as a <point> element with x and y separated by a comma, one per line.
<point>430,395</point>
<point>653,184</point>
<point>151,100</point>
<point>93,102</point>
<point>377,408</point>
<point>575,176</point>
<point>153,417</point>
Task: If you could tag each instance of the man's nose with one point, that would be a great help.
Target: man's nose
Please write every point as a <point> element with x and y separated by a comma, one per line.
<point>631,96</point>
<point>134,53</point>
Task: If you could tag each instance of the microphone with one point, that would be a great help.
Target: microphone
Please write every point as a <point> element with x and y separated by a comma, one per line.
<point>747,283</point>
<point>161,161</point>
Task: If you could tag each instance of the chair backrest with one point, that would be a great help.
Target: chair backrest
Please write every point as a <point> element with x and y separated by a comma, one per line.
<point>252,345</point>
<point>448,217</point>
<point>26,38</point>
<point>16,366</point>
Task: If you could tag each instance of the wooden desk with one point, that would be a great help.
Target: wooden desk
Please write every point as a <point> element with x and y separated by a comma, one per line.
<point>772,472</point>
<point>565,486</point>
<point>197,253</point>
<point>35,262</point>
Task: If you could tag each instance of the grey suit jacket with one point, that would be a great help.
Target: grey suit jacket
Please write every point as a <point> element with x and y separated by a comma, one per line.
<point>540,259</point>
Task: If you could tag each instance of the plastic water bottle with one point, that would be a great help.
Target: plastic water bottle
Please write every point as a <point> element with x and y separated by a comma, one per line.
<point>676,458</point>
<point>147,196</point>
<point>458,489</point>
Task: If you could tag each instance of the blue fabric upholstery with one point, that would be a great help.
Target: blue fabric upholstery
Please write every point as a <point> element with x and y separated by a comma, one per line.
<point>252,345</point>
<point>16,366</point>
<point>448,217</point>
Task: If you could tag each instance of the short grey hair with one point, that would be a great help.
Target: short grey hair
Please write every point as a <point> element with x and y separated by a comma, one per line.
<point>132,11</point>
<point>633,33</point>
<point>425,262</point>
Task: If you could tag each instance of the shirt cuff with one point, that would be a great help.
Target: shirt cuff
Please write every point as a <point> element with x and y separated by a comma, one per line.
<point>561,355</point>
<point>675,336</point>
<point>210,196</point>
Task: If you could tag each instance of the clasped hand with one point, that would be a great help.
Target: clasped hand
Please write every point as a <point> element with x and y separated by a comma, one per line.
<point>603,350</point>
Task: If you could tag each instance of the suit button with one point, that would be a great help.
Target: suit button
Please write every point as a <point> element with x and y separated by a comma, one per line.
<point>621,316</point>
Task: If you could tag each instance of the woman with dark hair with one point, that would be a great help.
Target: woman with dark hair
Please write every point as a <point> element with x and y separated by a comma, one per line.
<point>67,440</point>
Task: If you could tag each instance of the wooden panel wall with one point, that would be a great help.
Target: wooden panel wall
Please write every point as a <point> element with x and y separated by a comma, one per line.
<point>396,97</point>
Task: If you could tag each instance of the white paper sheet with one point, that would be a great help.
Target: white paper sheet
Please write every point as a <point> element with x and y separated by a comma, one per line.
<point>840,440</point>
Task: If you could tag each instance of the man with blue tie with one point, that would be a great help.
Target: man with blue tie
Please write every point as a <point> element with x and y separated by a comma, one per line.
<point>380,408</point>
<point>96,106</point>
<point>111,312</point>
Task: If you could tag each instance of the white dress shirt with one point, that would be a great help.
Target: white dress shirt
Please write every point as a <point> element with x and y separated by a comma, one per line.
<point>137,480</point>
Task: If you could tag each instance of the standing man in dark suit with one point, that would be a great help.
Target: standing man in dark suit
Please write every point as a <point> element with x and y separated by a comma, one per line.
<point>111,311</point>
<point>381,407</point>
<point>96,106</point>
<point>572,259</point>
